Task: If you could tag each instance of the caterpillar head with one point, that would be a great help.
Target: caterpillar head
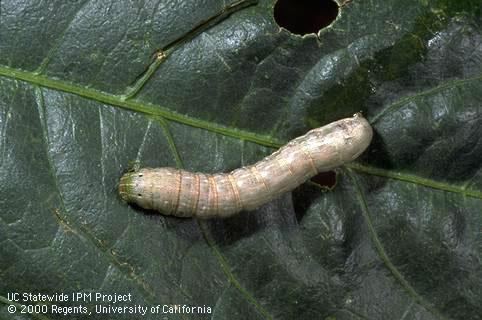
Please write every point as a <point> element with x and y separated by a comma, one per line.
<point>141,187</point>
<point>133,186</point>
<point>126,186</point>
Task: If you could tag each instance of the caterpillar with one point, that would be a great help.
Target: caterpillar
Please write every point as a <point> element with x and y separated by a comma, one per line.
<point>187,194</point>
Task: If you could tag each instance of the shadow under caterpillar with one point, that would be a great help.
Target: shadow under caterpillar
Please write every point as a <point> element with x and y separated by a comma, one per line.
<point>192,194</point>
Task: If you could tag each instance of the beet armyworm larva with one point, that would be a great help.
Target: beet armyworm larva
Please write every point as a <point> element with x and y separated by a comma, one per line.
<point>187,194</point>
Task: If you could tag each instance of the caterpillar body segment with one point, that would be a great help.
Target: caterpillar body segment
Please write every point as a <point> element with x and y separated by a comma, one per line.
<point>186,194</point>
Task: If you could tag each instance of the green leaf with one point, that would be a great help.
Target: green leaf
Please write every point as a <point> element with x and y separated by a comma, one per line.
<point>87,88</point>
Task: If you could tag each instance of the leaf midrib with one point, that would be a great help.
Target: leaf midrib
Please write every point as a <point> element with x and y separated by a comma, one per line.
<point>149,109</point>
<point>156,112</point>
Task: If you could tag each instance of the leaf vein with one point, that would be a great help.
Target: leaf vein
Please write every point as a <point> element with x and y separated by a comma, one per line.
<point>163,53</point>
<point>382,253</point>
<point>463,190</point>
<point>138,106</point>
<point>82,232</point>
<point>226,269</point>
<point>446,85</point>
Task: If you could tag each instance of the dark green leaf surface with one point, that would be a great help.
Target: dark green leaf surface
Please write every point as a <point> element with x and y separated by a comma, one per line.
<point>83,96</point>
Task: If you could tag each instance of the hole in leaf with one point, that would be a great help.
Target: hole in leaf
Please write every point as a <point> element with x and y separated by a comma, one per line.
<point>305,16</point>
<point>325,179</point>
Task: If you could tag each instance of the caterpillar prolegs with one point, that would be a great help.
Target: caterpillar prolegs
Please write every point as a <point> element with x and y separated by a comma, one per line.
<point>192,194</point>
